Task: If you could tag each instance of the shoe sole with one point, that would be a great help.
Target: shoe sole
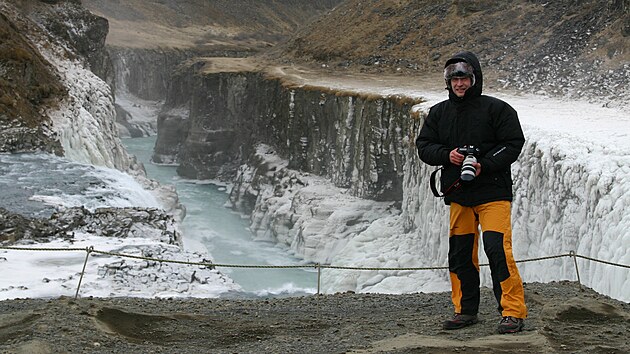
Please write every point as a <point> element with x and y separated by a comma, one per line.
<point>512,330</point>
<point>460,326</point>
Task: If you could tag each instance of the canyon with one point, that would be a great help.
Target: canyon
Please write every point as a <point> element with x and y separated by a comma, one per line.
<point>308,110</point>
<point>277,122</point>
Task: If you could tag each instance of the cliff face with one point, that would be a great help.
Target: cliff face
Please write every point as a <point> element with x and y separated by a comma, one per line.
<point>356,141</point>
<point>143,77</point>
<point>79,29</point>
<point>145,73</point>
<point>53,100</point>
<point>28,86</point>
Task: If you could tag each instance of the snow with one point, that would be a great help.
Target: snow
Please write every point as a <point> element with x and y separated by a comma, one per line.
<point>85,121</point>
<point>55,273</point>
<point>37,274</point>
<point>572,194</point>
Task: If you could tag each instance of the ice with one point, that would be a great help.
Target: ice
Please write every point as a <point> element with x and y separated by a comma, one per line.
<point>572,194</point>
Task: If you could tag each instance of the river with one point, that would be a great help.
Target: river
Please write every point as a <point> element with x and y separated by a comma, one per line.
<point>211,227</point>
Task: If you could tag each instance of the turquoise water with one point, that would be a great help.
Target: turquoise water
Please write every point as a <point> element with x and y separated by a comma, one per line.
<point>210,226</point>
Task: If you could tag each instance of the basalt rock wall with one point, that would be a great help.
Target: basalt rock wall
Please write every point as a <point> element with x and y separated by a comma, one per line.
<point>356,141</point>
<point>145,73</point>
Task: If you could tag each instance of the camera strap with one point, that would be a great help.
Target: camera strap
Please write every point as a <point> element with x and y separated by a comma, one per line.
<point>455,186</point>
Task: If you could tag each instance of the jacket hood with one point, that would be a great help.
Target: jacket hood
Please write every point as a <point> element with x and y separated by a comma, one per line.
<point>471,59</point>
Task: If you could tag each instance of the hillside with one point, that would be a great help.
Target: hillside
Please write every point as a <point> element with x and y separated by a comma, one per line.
<point>558,48</point>
<point>572,48</point>
<point>227,24</point>
<point>28,86</point>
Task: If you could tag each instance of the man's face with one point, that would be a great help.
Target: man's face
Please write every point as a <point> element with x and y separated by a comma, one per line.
<point>460,85</point>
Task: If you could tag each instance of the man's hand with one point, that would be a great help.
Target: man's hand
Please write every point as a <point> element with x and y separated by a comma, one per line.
<point>455,157</point>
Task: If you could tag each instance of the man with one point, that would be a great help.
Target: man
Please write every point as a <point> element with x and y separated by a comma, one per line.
<point>491,130</point>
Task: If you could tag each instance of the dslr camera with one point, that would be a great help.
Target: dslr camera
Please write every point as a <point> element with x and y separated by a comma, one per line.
<point>468,170</point>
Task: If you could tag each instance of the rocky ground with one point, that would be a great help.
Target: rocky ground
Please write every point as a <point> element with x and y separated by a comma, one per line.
<point>562,319</point>
<point>110,222</point>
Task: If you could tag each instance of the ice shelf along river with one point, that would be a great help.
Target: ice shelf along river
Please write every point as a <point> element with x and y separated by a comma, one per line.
<point>211,227</point>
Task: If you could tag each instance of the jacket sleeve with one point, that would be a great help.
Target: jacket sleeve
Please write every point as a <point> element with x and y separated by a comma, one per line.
<point>430,149</point>
<point>510,141</point>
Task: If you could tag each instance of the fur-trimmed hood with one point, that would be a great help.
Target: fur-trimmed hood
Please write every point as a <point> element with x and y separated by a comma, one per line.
<point>472,60</point>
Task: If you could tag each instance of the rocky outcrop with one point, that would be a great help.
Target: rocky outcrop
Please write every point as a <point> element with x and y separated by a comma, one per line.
<point>108,222</point>
<point>28,87</point>
<point>144,76</point>
<point>14,139</point>
<point>16,227</point>
<point>80,30</point>
<point>58,104</point>
<point>222,121</point>
<point>173,122</point>
<point>173,125</point>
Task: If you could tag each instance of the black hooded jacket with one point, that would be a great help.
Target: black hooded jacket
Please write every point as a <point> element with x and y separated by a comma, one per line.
<point>482,121</point>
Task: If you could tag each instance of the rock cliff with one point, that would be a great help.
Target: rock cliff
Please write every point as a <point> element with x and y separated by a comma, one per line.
<point>357,141</point>
<point>55,49</point>
<point>142,77</point>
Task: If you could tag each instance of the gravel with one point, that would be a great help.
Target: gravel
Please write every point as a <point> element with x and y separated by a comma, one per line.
<point>562,318</point>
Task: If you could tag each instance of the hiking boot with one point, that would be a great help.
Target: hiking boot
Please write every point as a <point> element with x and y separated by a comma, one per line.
<point>510,324</point>
<point>460,321</point>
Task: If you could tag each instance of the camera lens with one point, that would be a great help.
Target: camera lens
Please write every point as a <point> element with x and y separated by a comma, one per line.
<point>468,170</point>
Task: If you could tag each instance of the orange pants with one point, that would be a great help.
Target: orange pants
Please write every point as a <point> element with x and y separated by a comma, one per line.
<point>463,260</point>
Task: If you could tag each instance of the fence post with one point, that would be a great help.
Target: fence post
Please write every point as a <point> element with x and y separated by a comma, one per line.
<point>88,250</point>
<point>577,271</point>
<point>319,276</point>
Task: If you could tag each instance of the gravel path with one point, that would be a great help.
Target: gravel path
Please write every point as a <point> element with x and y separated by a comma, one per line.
<point>562,319</point>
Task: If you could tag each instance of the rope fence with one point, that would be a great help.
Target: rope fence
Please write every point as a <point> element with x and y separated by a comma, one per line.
<point>317,266</point>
